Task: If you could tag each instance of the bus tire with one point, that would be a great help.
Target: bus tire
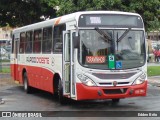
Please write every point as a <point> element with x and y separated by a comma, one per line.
<point>115,100</point>
<point>55,85</point>
<point>26,86</point>
<point>61,98</point>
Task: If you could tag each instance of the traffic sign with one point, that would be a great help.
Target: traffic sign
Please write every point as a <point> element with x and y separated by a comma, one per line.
<point>111,61</point>
<point>118,65</point>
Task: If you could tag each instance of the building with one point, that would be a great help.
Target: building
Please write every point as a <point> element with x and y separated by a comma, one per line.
<point>5,43</point>
<point>154,35</point>
<point>5,33</point>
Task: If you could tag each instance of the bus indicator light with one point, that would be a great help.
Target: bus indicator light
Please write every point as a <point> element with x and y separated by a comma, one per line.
<point>140,91</point>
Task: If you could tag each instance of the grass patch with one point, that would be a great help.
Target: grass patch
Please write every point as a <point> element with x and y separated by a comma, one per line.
<point>5,70</point>
<point>153,70</point>
<point>1,61</point>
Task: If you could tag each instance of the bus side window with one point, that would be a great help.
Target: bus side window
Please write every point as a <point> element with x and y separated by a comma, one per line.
<point>47,40</point>
<point>29,37</point>
<point>58,38</point>
<point>37,41</point>
<point>22,42</point>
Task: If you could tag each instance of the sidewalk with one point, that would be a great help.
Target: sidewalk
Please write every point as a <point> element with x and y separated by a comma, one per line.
<point>154,80</point>
<point>153,64</point>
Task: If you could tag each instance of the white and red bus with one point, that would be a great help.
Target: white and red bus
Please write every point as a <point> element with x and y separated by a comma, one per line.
<point>83,56</point>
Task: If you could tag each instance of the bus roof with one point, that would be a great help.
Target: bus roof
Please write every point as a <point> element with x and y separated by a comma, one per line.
<point>5,39</point>
<point>67,18</point>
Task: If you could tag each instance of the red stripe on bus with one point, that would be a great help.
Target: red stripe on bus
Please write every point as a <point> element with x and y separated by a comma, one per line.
<point>58,21</point>
<point>38,77</point>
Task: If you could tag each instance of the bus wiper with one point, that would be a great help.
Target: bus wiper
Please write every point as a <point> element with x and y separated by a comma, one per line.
<point>106,36</point>
<point>123,35</point>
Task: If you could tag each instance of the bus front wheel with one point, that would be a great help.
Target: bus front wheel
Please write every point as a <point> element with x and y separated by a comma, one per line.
<point>26,86</point>
<point>61,98</point>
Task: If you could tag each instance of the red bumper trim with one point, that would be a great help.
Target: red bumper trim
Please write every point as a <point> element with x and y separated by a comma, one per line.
<point>91,93</point>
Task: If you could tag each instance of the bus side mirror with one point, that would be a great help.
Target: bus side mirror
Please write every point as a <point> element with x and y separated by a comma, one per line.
<point>76,41</point>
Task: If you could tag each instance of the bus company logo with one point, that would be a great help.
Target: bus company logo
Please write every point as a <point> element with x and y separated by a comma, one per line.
<point>95,59</point>
<point>40,60</point>
<point>115,83</point>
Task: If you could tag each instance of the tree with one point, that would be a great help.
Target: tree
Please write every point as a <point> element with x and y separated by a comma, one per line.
<point>148,9</point>
<point>24,12</point>
<point>83,5</point>
<point>154,25</point>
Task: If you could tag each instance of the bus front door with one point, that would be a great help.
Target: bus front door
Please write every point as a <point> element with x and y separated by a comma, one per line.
<point>68,64</point>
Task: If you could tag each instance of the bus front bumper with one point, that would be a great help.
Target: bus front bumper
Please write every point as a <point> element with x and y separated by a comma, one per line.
<point>92,93</point>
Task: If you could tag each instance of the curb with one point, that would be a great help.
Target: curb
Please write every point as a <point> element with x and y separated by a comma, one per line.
<point>154,77</point>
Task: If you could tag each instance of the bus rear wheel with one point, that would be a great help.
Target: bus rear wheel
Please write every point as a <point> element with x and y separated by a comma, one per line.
<point>26,86</point>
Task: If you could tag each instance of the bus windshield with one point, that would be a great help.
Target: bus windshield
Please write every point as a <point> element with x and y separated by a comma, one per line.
<point>127,47</point>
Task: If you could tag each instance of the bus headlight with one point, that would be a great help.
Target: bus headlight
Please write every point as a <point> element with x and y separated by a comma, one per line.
<point>85,80</point>
<point>140,79</point>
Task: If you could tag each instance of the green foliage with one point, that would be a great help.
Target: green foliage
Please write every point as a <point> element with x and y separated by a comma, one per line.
<point>154,25</point>
<point>24,12</point>
<point>148,9</point>
<point>70,6</point>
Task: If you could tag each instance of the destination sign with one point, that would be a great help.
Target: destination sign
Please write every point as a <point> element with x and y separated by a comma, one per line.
<point>108,20</point>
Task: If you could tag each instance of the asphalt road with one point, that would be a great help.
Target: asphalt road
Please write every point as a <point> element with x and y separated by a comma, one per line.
<point>15,99</point>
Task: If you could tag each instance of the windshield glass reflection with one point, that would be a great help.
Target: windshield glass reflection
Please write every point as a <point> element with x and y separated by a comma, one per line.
<point>98,46</point>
